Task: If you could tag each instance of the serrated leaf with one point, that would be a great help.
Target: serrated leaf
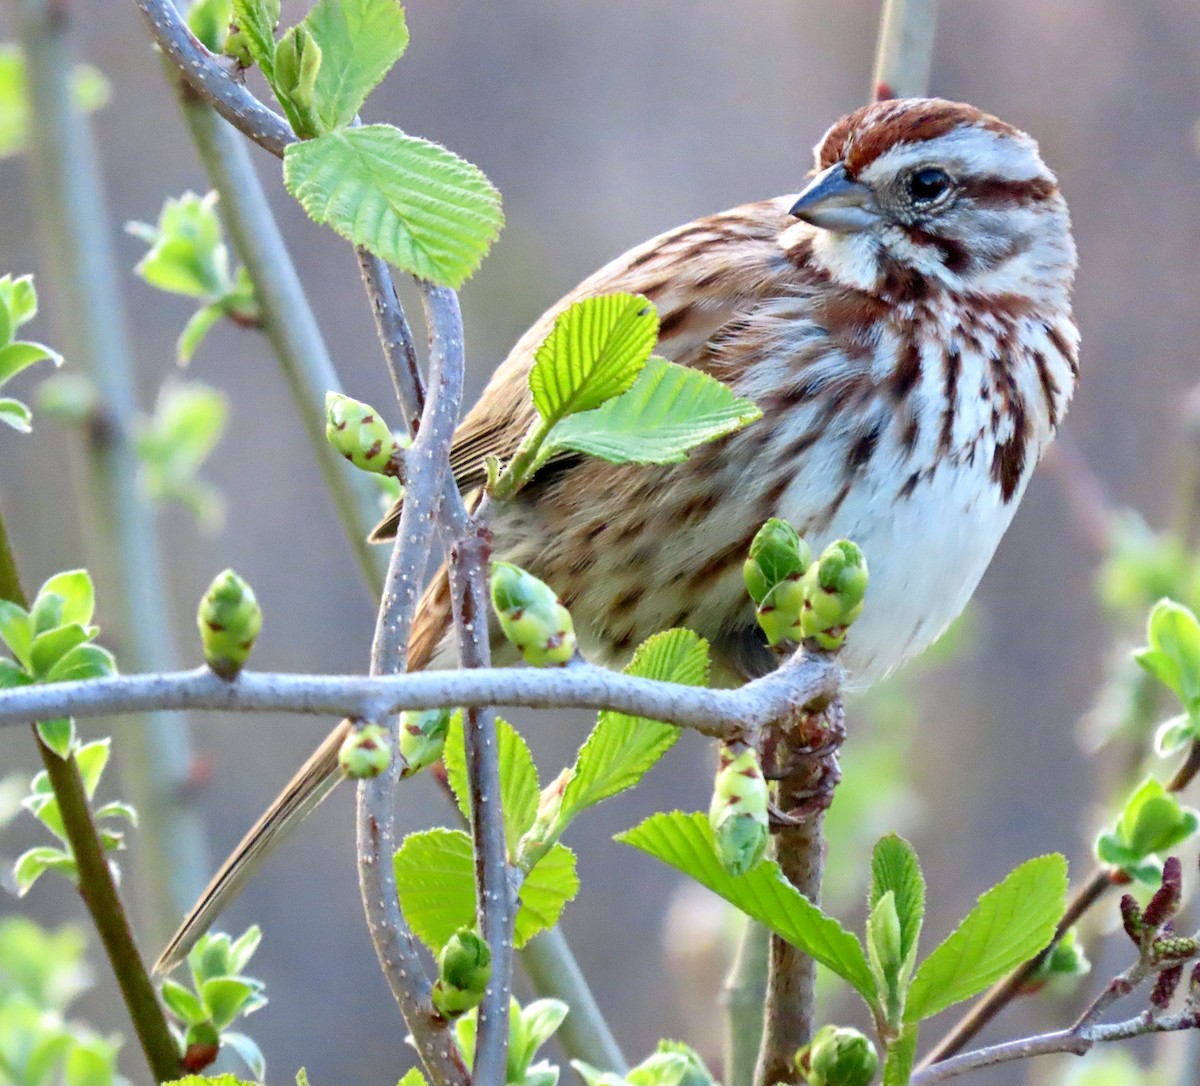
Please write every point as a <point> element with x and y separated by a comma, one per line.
<point>407,200</point>
<point>1011,923</point>
<point>360,40</point>
<point>249,1052</point>
<point>621,748</point>
<point>183,1003</point>
<point>894,868</point>
<point>57,734</point>
<point>594,352</point>
<point>15,414</point>
<point>435,878</point>
<point>256,20</point>
<point>685,842</point>
<point>519,787</point>
<point>83,662</point>
<point>34,863</point>
<point>669,411</point>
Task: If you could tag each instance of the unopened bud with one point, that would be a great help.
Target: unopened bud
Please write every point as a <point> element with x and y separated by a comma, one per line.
<point>1166,899</point>
<point>1176,948</point>
<point>531,616</point>
<point>838,1056</point>
<point>422,738</point>
<point>777,554</point>
<point>1131,918</point>
<point>365,752</point>
<point>884,949</point>
<point>738,812</point>
<point>297,61</point>
<point>356,431</point>
<point>464,969</point>
<point>779,614</point>
<point>834,589</point>
<point>229,619</point>
<point>1165,986</point>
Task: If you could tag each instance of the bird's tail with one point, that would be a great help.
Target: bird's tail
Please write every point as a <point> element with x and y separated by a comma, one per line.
<point>311,784</point>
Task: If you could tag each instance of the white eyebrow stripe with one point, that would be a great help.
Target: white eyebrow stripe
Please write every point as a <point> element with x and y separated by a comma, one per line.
<point>969,150</point>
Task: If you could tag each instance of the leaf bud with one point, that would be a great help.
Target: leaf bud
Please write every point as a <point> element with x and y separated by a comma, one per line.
<point>355,430</point>
<point>365,752</point>
<point>838,1056</point>
<point>1164,904</point>
<point>780,611</point>
<point>464,969</point>
<point>776,554</point>
<point>422,738</point>
<point>229,619</point>
<point>738,812</point>
<point>884,949</point>
<point>297,61</point>
<point>531,616</point>
<point>834,589</point>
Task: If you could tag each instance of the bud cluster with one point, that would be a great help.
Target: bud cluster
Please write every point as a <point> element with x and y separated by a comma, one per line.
<point>532,616</point>
<point>838,1056</point>
<point>464,969</point>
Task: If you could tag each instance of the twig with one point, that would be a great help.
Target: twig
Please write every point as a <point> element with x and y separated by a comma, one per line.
<point>904,52</point>
<point>96,884</point>
<point>428,465</point>
<point>727,714</point>
<point>287,319</point>
<point>122,543</point>
<point>395,336</point>
<point>743,998</point>
<point>1091,891</point>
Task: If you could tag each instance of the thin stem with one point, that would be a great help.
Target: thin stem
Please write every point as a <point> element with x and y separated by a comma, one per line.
<point>395,336</point>
<point>122,543</point>
<point>723,714</point>
<point>96,884</point>
<point>904,52</point>
<point>743,998</point>
<point>287,319</point>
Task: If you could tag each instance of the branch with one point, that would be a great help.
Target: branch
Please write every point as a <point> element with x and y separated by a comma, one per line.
<point>96,884</point>
<point>117,522</point>
<point>904,52</point>
<point>287,318</point>
<point>723,714</point>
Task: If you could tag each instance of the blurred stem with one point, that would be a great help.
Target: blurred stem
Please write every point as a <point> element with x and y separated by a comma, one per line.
<point>123,551</point>
<point>287,318</point>
<point>743,996</point>
<point>554,974</point>
<point>904,52</point>
<point>96,884</point>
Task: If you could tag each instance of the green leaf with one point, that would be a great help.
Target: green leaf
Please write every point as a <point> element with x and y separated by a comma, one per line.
<point>894,868</point>
<point>198,326</point>
<point>184,1003</point>
<point>669,411</point>
<point>435,877</point>
<point>224,998</point>
<point>1174,654</point>
<point>15,414</point>
<point>243,948</point>
<point>116,809</point>
<point>621,748</point>
<point>685,842</point>
<point>16,630</point>
<point>23,354</point>
<point>360,40</point>
<point>91,758</point>
<point>34,863</point>
<point>256,20</point>
<point>519,788</point>
<point>13,675</point>
<point>407,200</point>
<point>77,592</point>
<point>1011,923</point>
<point>206,1080</point>
<point>594,352</point>
<point>49,647</point>
<point>58,734</point>
<point>83,662</point>
<point>209,21</point>
<point>413,1077</point>
<point>249,1052</point>
<point>46,612</point>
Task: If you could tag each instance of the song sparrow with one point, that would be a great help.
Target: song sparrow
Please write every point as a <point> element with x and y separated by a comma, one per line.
<point>905,325</point>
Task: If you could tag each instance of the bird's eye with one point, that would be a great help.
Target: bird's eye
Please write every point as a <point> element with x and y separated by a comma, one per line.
<point>928,184</point>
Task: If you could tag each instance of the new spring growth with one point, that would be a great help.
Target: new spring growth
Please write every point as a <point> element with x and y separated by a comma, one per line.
<point>297,61</point>
<point>229,619</point>
<point>422,738</point>
<point>365,752</point>
<point>237,46</point>
<point>464,969</point>
<point>884,951</point>
<point>738,813</point>
<point>838,1056</point>
<point>356,431</point>
<point>833,594</point>
<point>531,616</point>
<point>772,572</point>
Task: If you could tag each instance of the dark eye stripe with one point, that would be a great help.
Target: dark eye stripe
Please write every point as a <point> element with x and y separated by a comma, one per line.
<point>999,192</point>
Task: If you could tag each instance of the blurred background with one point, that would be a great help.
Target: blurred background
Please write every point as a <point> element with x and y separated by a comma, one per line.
<point>603,124</point>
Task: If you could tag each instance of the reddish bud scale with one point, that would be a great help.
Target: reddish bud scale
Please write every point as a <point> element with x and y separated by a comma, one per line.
<point>1165,986</point>
<point>1131,919</point>
<point>1165,902</point>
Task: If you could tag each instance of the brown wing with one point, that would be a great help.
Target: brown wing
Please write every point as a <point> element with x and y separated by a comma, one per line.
<point>699,276</point>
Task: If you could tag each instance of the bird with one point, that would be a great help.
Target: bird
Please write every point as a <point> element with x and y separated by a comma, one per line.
<point>904,323</point>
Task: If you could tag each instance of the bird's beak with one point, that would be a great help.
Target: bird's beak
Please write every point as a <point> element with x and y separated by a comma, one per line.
<point>834,202</point>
